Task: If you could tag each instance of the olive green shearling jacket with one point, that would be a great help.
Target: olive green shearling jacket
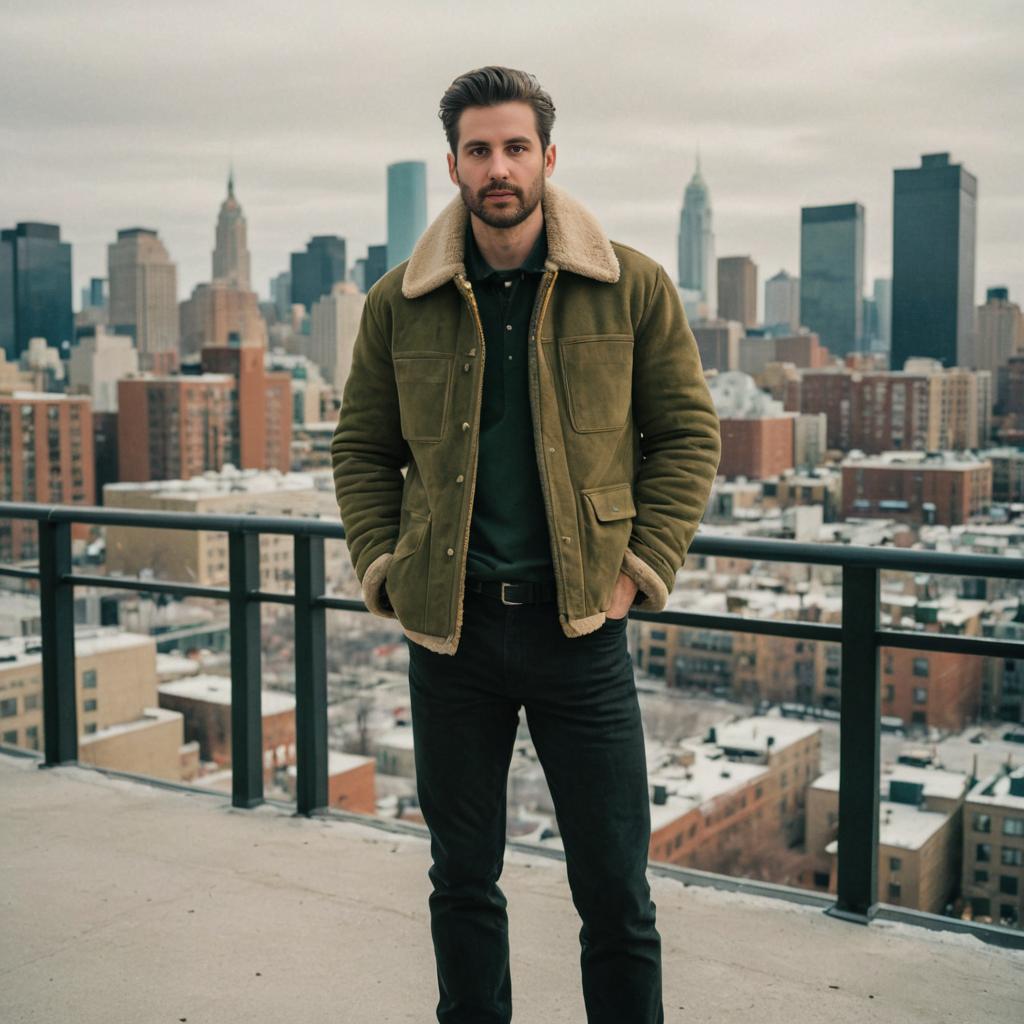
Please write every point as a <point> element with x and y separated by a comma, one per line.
<point>627,438</point>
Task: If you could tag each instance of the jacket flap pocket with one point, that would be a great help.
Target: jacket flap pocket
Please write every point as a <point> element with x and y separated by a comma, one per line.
<point>612,502</point>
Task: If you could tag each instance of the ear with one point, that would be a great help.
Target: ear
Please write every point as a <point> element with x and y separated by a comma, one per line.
<point>549,160</point>
<point>452,171</point>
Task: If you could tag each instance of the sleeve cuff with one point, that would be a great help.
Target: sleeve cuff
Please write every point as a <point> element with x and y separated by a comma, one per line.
<point>374,595</point>
<point>652,594</point>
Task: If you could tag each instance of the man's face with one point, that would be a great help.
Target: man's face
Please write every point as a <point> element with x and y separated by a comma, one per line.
<point>500,168</point>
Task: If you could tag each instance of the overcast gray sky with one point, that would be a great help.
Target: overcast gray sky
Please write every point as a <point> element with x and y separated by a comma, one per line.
<point>116,114</point>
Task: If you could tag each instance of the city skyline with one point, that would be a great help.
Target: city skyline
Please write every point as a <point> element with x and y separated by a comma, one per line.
<point>814,109</point>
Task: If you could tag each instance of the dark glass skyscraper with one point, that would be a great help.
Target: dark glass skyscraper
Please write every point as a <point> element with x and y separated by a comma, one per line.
<point>318,269</point>
<point>933,244</point>
<point>832,274</point>
<point>376,265</point>
<point>35,287</point>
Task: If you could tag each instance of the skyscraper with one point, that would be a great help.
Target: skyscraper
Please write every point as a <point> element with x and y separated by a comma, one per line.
<point>231,254</point>
<point>696,242</point>
<point>376,265</point>
<point>933,245</point>
<point>782,301</point>
<point>832,274</point>
<point>144,296</point>
<point>315,271</point>
<point>35,287</point>
<point>407,208</point>
<point>737,289</point>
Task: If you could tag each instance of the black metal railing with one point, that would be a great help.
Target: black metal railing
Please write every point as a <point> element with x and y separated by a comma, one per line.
<point>858,634</point>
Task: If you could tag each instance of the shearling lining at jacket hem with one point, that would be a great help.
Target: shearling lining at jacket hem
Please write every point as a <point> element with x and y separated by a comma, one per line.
<point>647,580</point>
<point>373,585</point>
<point>437,644</point>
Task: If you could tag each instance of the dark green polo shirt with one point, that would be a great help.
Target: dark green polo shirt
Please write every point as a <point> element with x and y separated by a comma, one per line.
<point>508,537</point>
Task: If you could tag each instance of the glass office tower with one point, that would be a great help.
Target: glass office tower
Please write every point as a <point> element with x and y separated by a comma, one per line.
<point>832,274</point>
<point>933,246</point>
<point>407,208</point>
<point>35,287</point>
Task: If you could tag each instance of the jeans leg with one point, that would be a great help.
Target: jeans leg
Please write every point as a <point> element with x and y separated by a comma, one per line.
<point>584,720</point>
<point>464,730</point>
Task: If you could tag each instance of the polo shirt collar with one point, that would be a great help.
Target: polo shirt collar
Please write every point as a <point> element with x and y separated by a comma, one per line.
<point>477,268</point>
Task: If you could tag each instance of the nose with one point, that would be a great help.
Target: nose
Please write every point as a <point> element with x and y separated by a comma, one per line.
<point>499,167</point>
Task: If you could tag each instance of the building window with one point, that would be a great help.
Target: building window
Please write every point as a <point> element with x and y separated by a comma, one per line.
<point>89,679</point>
<point>1013,826</point>
<point>8,707</point>
<point>982,823</point>
<point>1008,885</point>
<point>981,907</point>
<point>11,737</point>
<point>920,694</point>
<point>90,727</point>
<point>821,879</point>
<point>895,863</point>
<point>1012,856</point>
<point>90,705</point>
<point>894,892</point>
<point>983,853</point>
<point>920,666</point>
<point>32,737</point>
<point>980,876</point>
<point>890,692</point>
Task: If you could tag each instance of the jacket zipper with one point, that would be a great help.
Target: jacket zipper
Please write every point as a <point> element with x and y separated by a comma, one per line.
<point>536,325</point>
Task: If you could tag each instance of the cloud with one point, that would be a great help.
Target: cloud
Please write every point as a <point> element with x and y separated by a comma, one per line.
<point>118,114</point>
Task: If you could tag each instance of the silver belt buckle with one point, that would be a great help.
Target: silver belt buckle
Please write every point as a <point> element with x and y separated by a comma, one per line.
<point>503,601</point>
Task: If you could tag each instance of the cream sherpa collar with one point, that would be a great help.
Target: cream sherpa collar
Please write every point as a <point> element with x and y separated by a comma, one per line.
<point>576,242</point>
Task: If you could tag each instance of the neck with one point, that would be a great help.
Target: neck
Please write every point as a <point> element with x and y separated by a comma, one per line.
<point>507,248</point>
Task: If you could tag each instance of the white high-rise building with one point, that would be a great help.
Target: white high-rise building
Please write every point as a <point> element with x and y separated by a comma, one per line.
<point>335,323</point>
<point>696,242</point>
<point>782,301</point>
<point>98,362</point>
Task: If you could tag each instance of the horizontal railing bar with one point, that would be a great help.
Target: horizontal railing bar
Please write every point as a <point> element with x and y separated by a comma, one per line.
<point>19,574</point>
<point>986,647</point>
<point>146,586</point>
<point>886,558</point>
<point>795,628</point>
<point>272,597</point>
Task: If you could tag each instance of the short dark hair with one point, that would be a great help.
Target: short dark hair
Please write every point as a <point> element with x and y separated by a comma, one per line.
<point>489,86</point>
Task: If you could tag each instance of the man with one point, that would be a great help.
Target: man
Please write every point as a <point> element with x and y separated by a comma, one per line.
<point>548,488</point>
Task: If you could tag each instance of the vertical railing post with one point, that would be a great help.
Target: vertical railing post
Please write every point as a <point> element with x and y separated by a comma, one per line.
<point>859,748</point>
<point>310,675</point>
<point>57,612</point>
<point>246,710</point>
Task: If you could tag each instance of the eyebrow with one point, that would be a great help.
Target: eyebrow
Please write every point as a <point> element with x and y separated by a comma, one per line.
<point>508,142</point>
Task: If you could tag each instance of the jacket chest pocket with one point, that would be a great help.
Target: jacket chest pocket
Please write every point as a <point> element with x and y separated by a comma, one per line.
<point>424,384</point>
<point>597,375</point>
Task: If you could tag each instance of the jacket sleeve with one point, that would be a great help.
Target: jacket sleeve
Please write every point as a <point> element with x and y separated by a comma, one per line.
<point>680,446</point>
<point>367,456</point>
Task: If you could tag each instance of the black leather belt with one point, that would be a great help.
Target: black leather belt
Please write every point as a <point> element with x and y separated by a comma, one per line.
<point>514,593</point>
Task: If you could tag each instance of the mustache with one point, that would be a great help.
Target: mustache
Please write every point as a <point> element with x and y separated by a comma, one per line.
<point>500,188</point>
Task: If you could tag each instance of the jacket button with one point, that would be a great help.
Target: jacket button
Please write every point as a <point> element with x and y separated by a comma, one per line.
<point>465,426</point>
<point>471,352</point>
<point>567,539</point>
<point>552,450</point>
<point>615,508</point>
<point>459,479</point>
<point>450,552</point>
<point>465,367</point>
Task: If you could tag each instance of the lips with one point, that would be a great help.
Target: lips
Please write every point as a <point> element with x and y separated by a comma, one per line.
<point>500,195</point>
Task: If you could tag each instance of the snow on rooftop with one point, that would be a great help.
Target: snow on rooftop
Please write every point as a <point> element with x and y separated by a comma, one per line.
<point>149,717</point>
<point>21,651</point>
<point>995,791</point>
<point>217,690</point>
<point>902,825</point>
<point>936,781</point>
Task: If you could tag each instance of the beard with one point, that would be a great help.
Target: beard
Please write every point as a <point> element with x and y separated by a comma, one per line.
<point>515,210</point>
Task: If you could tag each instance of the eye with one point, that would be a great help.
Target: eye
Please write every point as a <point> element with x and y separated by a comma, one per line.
<point>517,146</point>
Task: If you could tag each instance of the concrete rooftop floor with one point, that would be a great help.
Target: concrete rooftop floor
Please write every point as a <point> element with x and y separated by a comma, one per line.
<point>128,902</point>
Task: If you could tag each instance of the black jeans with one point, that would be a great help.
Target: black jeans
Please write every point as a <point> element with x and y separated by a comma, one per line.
<point>584,719</point>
